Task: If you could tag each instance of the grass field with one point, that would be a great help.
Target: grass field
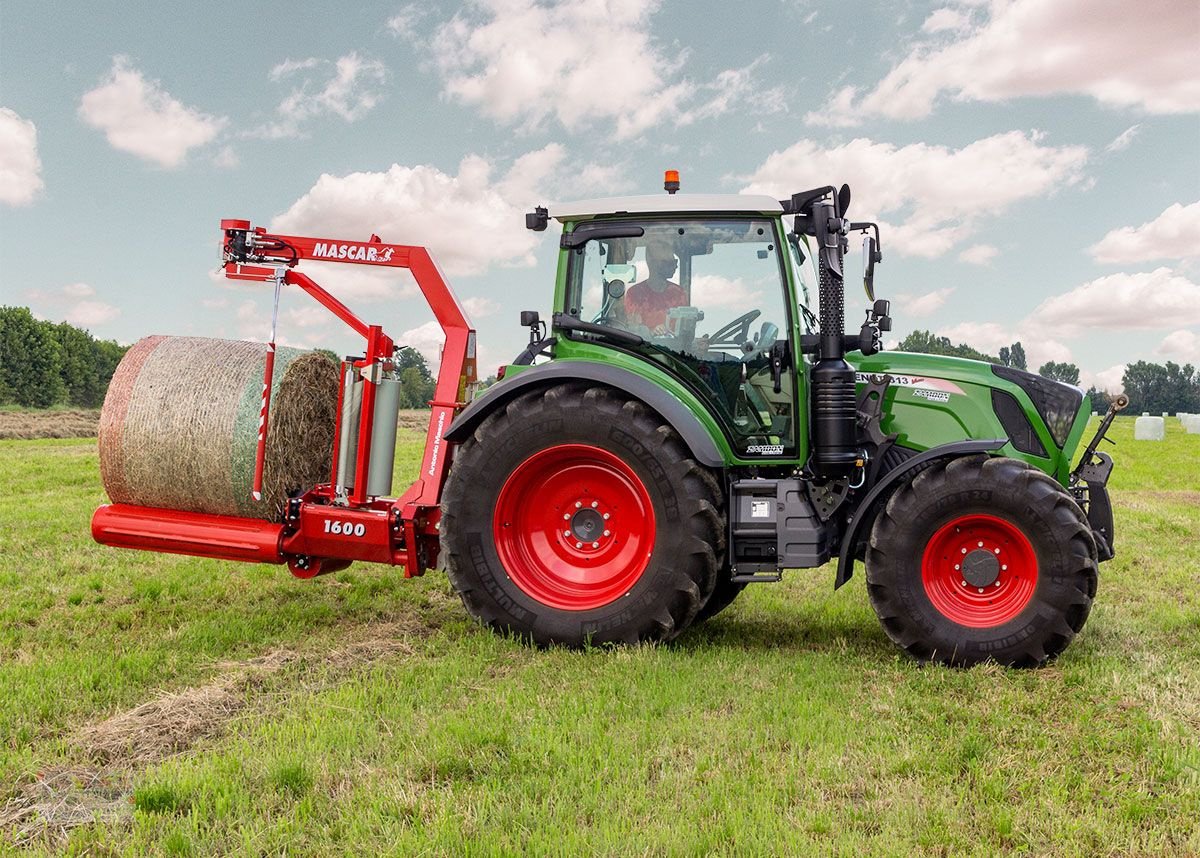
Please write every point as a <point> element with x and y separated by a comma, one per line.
<point>152,704</point>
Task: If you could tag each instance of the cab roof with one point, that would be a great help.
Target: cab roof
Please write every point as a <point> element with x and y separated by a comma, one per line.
<point>665,204</point>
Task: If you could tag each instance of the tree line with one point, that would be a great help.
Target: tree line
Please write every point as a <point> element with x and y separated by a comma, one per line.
<point>1150,387</point>
<point>46,363</point>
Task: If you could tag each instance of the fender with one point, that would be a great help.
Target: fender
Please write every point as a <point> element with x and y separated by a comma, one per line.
<point>845,568</point>
<point>668,407</point>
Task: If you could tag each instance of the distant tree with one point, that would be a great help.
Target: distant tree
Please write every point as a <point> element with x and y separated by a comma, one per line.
<point>1066,372</point>
<point>1017,356</point>
<point>1156,388</point>
<point>30,359</point>
<point>926,342</point>
<point>417,384</point>
<point>44,364</point>
<point>1099,399</point>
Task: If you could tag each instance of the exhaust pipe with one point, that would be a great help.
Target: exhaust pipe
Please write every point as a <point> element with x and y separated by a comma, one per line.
<point>834,404</point>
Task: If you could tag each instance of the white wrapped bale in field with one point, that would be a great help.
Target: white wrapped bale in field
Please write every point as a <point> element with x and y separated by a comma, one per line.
<point>1147,428</point>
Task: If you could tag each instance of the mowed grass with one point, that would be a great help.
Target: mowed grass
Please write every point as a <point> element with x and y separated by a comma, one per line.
<point>365,714</point>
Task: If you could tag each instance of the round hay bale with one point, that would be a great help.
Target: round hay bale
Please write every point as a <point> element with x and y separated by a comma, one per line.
<point>179,427</point>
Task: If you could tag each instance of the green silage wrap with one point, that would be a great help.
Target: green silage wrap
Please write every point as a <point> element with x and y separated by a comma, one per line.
<point>179,428</point>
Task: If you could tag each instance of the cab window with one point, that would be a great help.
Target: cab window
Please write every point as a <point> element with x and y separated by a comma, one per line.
<point>707,298</point>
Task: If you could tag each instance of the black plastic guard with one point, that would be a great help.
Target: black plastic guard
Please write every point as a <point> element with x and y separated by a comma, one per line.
<point>865,510</point>
<point>671,409</point>
<point>1100,517</point>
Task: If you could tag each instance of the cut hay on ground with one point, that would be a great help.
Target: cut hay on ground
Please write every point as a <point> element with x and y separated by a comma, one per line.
<point>180,424</point>
<point>54,423</point>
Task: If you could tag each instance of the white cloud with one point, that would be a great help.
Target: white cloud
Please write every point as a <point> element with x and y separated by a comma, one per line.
<point>469,221</point>
<point>924,305</point>
<point>403,23</point>
<point>939,193</point>
<point>88,313</point>
<point>227,158</point>
<point>20,167</point>
<point>309,316</point>
<point>78,290</point>
<point>524,63</point>
<point>351,91</point>
<point>1148,300</point>
<point>979,254</point>
<point>290,67</point>
<point>74,302</point>
<point>1122,140</point>
<point>1174,234</point>
<point>1108,380</point>
<point>478,306</point>
<point>218,303</point>
<point>1139,55</point>
<point>428,339</point>
<point>138,116</point>
<point>604,178</point>
<point>990,337</point>
<point>1181,346</point>
<point>731,88</point>
<point>941,20</point>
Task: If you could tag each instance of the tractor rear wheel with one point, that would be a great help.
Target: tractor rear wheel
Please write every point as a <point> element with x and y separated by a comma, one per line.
<point>575,514</point>
<point>980,559</point>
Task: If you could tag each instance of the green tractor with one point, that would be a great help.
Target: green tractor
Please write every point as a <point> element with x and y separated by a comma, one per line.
<point>687,426</point>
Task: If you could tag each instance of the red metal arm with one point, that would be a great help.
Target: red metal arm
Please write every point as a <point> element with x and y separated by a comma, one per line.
<point>458,369</point>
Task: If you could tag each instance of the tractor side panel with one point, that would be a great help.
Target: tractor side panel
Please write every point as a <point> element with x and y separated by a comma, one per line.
<point>935,400</point>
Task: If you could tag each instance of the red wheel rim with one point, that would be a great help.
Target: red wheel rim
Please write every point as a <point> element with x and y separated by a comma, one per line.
<point>979,570</point>
<point>574,527</point>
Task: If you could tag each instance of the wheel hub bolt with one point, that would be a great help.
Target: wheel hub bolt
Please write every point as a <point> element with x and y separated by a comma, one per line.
<point>606,516</point>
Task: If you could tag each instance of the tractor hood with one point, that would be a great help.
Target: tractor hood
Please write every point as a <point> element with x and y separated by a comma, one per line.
<point>936,400</point>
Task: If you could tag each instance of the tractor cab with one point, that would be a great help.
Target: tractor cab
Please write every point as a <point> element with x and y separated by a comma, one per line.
<point>699,288</point>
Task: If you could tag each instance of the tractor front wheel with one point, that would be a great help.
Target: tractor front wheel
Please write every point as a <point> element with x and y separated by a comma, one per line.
<point>980,559</point>
<point>575,514</point>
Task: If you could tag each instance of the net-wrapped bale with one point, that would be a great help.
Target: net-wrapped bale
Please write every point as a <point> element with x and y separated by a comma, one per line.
<point>179,427</point>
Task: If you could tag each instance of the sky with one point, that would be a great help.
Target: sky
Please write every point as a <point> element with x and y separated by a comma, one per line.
<point>1034,164</point>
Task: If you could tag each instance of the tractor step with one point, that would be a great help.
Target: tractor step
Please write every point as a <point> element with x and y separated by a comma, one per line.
<point>768,578</point>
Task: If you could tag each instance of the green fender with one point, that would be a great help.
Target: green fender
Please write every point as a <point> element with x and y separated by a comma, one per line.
<point>682,419</point>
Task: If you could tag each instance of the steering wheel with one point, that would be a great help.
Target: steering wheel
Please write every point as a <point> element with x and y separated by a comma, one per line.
<point>736,332</point>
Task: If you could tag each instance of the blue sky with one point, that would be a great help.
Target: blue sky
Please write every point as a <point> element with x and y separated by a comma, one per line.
<point>1036,164</point>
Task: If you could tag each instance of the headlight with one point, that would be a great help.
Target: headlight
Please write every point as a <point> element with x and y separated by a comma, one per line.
<point>1056,402</point>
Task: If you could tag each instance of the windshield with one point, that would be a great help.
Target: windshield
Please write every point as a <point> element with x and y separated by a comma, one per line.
<point>707,298</point>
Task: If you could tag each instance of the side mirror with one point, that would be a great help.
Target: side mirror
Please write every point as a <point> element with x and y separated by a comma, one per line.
<point>870,256</point>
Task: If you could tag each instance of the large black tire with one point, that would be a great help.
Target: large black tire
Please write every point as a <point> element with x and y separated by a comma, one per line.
<point>540,463</point>
<point>722,597</point>
<point>972,518</point>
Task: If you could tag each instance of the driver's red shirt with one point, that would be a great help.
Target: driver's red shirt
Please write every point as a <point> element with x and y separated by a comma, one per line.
<point>650,307</point>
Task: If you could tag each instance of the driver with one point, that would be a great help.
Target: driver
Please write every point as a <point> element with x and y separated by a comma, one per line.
<point>647,303</point>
